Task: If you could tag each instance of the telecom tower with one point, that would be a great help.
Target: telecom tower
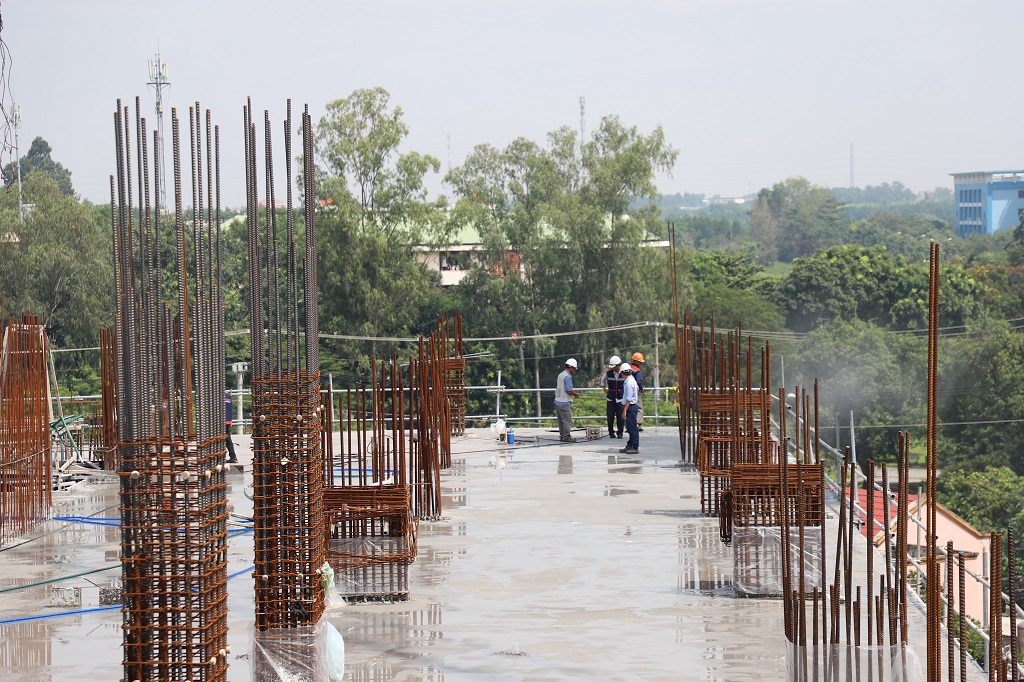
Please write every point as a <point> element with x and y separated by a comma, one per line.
<point>158,81</point>
<point>583,119</point>
<point>851,166</point>
<point>16,122</point>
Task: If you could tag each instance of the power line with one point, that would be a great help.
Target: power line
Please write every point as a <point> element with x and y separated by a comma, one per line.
<point>756,334</point>
<point>907,426</point>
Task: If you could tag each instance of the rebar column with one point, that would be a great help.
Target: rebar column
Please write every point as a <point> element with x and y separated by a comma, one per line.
<point>25,487</point>
<point>167,403</point>
<point>289,464</point>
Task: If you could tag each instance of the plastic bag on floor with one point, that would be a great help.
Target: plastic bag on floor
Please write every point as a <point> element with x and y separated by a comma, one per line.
<point>334,652</point>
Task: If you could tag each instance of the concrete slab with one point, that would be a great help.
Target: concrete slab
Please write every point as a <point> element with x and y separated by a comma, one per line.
<point>552,561</point>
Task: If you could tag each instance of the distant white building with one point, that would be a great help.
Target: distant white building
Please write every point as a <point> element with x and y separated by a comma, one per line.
<point>453,262</point>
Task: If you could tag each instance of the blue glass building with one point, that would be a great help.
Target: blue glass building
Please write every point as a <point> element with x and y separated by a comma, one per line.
<point>987,201</point>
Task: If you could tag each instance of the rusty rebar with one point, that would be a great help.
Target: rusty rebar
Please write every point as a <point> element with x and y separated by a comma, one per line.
<point>1011,569</point>
<point>289,461</point>
<point>934,613</point>
<point>25,489</point>
<point>166,395</point>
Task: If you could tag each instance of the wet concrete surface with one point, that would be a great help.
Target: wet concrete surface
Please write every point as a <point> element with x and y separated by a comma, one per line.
<point>551,561</point>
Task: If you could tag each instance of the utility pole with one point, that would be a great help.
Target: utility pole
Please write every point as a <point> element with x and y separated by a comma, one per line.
<point>158,81</point>
<point>16,120</point>
<point>657,376</point>
<point>240,368</point>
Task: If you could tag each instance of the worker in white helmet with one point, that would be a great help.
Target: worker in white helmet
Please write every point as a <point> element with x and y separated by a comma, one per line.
<point>630,396</point>
<point>637,363</point>
<point>564,393</point>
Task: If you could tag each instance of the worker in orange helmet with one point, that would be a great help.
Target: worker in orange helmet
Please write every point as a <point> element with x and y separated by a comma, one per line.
<point>637,363</point>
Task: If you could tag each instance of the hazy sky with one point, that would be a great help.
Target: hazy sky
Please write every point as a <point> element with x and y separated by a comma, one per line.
<point>749,91</point>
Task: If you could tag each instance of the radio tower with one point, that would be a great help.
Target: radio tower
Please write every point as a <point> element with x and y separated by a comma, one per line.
<point>583,118</point>
<point>158,81</point>
<point>851,166</point>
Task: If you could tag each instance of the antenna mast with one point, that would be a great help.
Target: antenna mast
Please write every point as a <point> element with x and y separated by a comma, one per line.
<point>158,81</point>
<point>16,121</point>
<point>851,166</point>
<point>583,118</point>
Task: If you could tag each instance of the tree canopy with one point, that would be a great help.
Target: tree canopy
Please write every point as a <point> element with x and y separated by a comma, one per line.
<point>377,212</point>
<point>38,160</point>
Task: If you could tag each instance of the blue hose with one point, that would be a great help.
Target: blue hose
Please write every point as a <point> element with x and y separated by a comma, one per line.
<point>62,613</point>
<point>23,619</point>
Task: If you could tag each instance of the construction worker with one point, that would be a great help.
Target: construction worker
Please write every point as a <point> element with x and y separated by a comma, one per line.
<point>611,384</point>
<point>232,459</point>
<point>637,363</point>
<point>564,393</point>
<point>629,408</point>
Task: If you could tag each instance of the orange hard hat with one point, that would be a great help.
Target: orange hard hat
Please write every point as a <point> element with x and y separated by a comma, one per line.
<point>638,357</point>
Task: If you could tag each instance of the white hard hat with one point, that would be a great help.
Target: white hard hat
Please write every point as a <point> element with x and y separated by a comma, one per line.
<point>625,367</point>
<point>571,362</point>
<point>614,361</point>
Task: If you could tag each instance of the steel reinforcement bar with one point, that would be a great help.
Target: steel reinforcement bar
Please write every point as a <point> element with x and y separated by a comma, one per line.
<point>168,399</point>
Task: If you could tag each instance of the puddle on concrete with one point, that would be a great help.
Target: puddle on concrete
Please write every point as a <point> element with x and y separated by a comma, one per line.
<point>443,528</point>
<point>705,562</point>
<point>716,587</point>
<point>565,464</point>
<point>454,498</point>
<point>614,491</point>
<point>622,464</point>
<point>676,513</point>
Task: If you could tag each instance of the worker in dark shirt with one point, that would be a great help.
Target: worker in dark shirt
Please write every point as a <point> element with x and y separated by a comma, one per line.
<point>227,427</point>
<point>611,384</point>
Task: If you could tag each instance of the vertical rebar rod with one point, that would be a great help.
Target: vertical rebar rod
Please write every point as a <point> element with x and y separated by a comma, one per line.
<point>931,565</point>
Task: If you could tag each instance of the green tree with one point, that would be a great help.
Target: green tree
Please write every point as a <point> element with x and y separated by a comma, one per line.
<point>794,219</point>
<point>38,160</point>
<point>727,283</point>
<point>358,142</point>
<point>764,227</point>
<point>880,195</point>
<point>862,369</point>
<point>989,499</point>
<point>813,221</point>
<point>869,284</point>
<point>376,212</point>
<point>1003,289</point>
<point>58,266</point>
<point>706,232</point>
<point>908,236</point>
<point>1015,249</point>
<point>982,390</point>
<point>936,205</point>
<point>561,226</point>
